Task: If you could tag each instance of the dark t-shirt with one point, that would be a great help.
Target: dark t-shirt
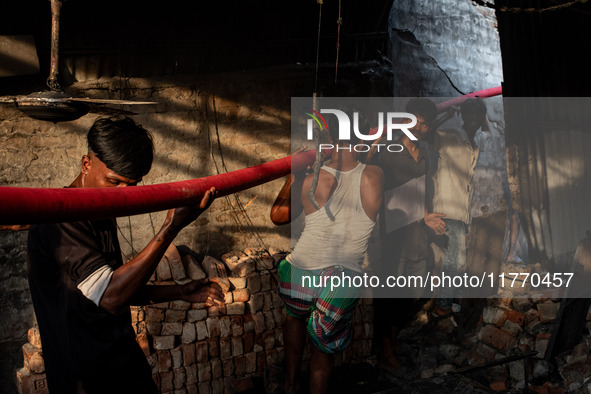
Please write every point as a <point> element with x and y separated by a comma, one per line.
<point>85,348</point>
<point>410,241</point>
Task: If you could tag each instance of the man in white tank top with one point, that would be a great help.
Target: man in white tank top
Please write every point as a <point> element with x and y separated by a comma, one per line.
<point>333,242</point>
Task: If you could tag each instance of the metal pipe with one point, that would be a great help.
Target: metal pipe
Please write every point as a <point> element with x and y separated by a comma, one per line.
<point>52,80</point>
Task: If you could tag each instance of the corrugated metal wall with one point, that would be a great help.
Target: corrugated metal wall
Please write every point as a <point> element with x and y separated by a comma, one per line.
<point>552,174</point>
<point>544,49</point>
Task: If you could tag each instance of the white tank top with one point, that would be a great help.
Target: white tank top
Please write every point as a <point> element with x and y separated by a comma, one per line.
<point>337,233</point>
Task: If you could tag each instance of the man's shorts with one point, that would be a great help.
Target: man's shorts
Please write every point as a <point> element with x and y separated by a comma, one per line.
<point>329,309</point>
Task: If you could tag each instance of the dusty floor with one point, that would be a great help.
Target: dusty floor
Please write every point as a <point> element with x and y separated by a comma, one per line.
<point>432,352</point>
<point>368,379</point>
<point>416,342</point>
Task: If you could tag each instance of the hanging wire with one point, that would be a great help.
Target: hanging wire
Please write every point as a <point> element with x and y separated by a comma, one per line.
<point>131,236</point>
<point>339,23</point>
<point>130,240</point>
<point>151,221</point>
<point>319,156</point>
<point>127,258</point>
<point>530,10</point>
<point>320,2</point>
<point>237,204</point>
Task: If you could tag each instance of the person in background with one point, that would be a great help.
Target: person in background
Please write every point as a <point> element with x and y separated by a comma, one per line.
<point>452,173</point>
<point>404,227</point>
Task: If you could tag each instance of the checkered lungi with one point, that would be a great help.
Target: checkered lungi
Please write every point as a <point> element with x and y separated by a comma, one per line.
<point>329,310</point>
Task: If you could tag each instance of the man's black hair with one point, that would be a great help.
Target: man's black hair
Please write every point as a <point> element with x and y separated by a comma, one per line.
<point>473,106</point>
<point>124,146</point>
<point>423,107</point>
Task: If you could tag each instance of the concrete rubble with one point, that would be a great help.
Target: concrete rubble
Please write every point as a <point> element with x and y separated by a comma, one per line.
<point>491,344</point>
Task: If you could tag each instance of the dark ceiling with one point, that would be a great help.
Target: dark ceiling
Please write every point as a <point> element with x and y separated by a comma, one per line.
<point>546,49</point>
<point>168,37</point>
<point>544,52</point>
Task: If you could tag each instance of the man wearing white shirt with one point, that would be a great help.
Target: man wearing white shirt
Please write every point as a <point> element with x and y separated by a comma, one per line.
<point>456,153</point>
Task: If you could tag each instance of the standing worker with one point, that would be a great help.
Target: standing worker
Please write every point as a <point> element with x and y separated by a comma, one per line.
<point>81,289</point>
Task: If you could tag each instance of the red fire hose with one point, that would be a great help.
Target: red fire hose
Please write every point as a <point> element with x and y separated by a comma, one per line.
<point>459,100</point>
<point>20,205</point>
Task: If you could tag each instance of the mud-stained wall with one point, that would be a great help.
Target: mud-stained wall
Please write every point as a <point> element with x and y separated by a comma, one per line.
<point>200,128</point>
<point>202,125</point>
<point>444,48</point>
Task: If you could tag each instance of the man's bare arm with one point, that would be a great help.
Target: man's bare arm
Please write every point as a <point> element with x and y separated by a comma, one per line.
<point>372,190</point>
<point>284,209</point>
<point>434,222</point>
<point>128,279</point>
<point>196,291</point>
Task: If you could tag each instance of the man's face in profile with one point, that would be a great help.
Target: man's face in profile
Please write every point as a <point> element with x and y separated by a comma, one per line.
<point>96,174</point>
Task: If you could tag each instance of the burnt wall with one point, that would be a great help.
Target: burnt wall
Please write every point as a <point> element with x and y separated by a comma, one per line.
<point>444,48</point>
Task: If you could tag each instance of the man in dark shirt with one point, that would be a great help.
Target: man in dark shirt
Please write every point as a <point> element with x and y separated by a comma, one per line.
<point>80,287</point>
<point>405,249</point>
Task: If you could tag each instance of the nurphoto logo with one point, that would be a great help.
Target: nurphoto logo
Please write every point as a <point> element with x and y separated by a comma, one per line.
<point>402,121</point>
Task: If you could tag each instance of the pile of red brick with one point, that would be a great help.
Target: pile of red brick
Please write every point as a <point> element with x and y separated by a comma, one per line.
<point>224,349</point>
<point>512,326</point>
<point>193,349</point>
